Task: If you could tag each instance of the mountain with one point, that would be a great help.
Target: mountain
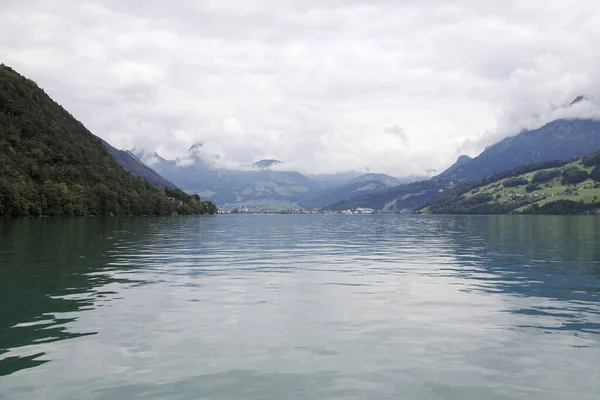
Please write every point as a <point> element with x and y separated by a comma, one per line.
<point>456,169</point>
<point>334,195</point>
<point>552,187</point>
<point>261,188</point>
<point>401,198</point>
<point>265,164</point>
<point>557,140</point>
<point>335,180</point>
<point>382,178</point>
<point>257,189</point>
<point>135,167</point>
<point>195,146</point>
<point>264,189</point>
<point>50,164</point>
<point>560,139</point>
<point>369,184</point>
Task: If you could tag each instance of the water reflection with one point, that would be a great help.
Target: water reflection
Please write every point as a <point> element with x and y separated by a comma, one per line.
<point>50,270</point>
<point>553,258</point>
<point>293,307</point>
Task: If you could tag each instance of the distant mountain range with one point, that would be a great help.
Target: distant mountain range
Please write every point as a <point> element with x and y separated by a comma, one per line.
<point>261,187</point>
<point>264,186</point>
<point>362,185</point>
<point>330,196</point>
<point>557,140</point>
<point>397,199</point>
<point>561,139</point>
<point>52,165</point>
<point>381,178</point>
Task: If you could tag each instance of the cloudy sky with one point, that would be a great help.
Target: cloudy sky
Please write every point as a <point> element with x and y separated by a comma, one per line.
<point>401,87</point>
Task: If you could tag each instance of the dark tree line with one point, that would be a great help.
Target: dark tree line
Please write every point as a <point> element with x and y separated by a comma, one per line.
<point>573,176</point>
<point>513,182</point>
<point>50,164</point>
<point>591,159</point>
<point>545,176</point>
<point>561,207</point>
<point>595,174</point>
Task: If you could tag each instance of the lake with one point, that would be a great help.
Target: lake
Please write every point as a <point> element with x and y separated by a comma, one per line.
<point>300,307</point>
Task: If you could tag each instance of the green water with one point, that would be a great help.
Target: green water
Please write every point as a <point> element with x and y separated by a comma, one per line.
<point>298,307</point>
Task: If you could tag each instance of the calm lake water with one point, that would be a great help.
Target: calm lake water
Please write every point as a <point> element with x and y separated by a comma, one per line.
<point>300,307</point>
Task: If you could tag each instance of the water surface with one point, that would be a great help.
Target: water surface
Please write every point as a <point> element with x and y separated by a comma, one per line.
<point>299,307</point>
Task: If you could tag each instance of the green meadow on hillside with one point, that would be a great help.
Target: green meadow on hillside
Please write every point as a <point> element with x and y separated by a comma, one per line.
<point>553,188</point>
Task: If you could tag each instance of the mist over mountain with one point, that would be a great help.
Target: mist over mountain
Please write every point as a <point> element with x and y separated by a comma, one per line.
<point>265,164</point>
<point>557,140</point>
<point>265,184</point>
<point>132,164</point>
<point>560,139</point>
<point>330,94</point>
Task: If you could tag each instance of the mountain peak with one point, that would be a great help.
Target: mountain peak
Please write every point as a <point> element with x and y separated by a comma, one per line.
<point>196,146</point>
<point>557,140</point>
<point>373,177</point>
<point>265,164</point>
<point>578,99</point>
<point>456,168</point>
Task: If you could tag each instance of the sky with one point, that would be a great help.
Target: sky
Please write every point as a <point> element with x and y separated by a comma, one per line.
<point>398,87</point>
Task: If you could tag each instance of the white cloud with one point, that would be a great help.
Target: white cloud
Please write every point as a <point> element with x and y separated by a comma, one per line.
<point>398,132</point>
<point>316,84</point>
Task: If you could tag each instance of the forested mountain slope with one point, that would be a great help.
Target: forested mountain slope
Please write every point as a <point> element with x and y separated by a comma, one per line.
<point>50,164</point>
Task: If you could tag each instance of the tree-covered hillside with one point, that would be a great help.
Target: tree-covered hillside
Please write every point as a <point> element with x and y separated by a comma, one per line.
<point>50,164</point>
<point>553,187</point>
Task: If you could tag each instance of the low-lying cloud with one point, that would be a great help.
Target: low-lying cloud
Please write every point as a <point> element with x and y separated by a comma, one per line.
<point>324,86</point>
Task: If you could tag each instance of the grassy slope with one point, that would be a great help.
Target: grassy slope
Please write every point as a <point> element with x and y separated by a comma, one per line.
<point>551,191</point>
<point>587,191</point>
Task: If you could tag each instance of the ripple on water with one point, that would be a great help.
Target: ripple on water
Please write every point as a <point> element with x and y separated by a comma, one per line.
<point>294,307</point>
